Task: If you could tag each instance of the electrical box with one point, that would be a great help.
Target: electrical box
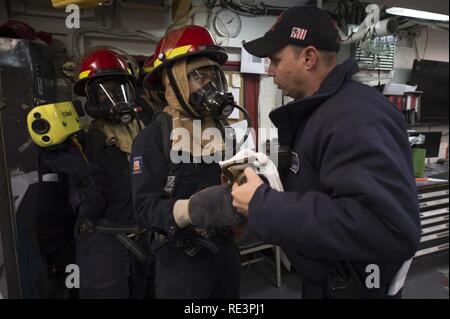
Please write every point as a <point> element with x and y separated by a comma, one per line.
<point>375,57</point>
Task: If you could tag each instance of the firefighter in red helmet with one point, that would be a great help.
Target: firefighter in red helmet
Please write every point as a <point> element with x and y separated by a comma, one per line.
<point>106,80</point>
<point>98,176</point>
<point>183,201</point>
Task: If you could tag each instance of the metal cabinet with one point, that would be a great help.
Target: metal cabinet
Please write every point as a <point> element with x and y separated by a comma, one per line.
<point>434,213</point>
<point>26,79</point>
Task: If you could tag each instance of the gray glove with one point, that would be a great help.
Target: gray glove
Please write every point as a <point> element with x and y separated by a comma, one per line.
<point>209,208</point>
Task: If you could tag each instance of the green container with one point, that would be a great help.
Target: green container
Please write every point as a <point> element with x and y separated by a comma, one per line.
<point>419,161</point>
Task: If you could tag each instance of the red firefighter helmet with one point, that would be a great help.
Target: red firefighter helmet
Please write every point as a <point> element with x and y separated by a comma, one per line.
<point>100,63</point>
<point>188,41</point>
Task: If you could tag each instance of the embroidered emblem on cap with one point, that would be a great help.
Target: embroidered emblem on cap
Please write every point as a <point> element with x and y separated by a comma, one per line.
<point>137,165</point>
<point>298,33</point>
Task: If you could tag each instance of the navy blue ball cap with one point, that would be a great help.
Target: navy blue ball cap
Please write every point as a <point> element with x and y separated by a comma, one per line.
<point>301,26</point>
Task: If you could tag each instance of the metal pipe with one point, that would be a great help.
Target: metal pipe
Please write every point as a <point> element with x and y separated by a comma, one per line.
<point>109,34</point>
<point>381,29</point>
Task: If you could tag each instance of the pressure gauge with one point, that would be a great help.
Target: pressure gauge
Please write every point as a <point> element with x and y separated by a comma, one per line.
<point>227,23</point>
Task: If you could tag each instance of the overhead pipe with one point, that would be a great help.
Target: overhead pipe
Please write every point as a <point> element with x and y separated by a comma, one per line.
<point>380,29</point>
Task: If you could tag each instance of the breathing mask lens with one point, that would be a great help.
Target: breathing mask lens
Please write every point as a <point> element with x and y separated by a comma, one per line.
<point>114,98</point>
<point>208,93</point>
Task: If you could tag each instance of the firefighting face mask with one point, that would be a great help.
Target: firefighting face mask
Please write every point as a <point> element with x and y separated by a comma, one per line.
<point>208,93</point>
<point>112,100</point>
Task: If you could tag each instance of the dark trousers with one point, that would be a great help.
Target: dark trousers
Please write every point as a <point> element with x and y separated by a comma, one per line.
<point>205,275</point>
<point>104,267</point>
<point>142,275</point>
<point>312,290</point>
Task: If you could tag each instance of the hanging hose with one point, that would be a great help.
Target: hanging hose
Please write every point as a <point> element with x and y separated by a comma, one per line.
<point>249,126</point>
<point>222,124</point>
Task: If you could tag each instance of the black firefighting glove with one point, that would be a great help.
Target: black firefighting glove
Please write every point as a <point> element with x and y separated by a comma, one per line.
<point>85,196</point>
<point>209,208</point>
<point>67,160</point>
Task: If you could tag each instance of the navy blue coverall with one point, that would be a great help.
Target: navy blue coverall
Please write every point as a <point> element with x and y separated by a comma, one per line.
<point>156,186</point>
<point>350,192</point>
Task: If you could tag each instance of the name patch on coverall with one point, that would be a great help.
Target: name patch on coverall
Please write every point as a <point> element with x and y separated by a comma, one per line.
<point>137,165</point>
<point>170,184</point>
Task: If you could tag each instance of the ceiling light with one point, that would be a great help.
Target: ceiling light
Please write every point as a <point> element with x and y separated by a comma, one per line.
<point>417,14</point>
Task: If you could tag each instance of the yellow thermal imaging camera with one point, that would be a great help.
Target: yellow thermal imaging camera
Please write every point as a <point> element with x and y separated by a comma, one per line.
<point>52,124</point>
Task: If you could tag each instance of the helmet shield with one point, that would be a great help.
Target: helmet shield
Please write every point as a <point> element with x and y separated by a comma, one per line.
<point>114,97</point>
<point>101,62</point>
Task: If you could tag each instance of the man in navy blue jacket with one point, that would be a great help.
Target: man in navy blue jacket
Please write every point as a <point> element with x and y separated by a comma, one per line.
<point>350,202</point>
